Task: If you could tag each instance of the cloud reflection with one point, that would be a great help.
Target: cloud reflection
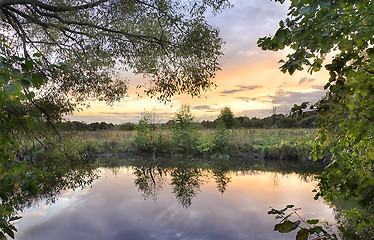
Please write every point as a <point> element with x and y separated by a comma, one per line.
<point>114,208</point>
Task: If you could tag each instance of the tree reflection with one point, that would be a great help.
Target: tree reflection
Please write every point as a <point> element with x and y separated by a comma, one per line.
<point>187,176</point>
<point>186,184</point>
<point>149,181</point>
<point>40,186</point>
<point>222,178</point>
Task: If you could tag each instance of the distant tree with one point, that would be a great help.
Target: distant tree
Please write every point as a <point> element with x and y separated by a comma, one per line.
<point>128,126</point>
<point>227,117</point>
<point>311,121</point>
<point>285,122</point>
<point>241,120</point>
<point>208,124</point>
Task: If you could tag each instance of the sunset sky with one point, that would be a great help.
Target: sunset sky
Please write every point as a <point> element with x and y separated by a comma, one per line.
<point>248,79</point>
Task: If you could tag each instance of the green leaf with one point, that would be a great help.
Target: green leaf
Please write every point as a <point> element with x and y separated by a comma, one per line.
<point>324,4</point>
<point>30,95</point>
<point>302,234</point>
<point>8,231</point>
<point>25,82</point>
<point>27,66</point>
<point>14,218</point>
<point>37,79</point>
<point>29,123</point>
<point>287,226</point>
<point>62,66</point>
<point>274,211</point>
<point>10,88</point>
<point>312,221</point>
<point>15,74</point>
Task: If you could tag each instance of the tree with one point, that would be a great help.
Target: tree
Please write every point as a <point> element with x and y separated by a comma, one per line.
<point>312,30</point>
<point>227,117</point>
<point>56,54</point>
<point>184,133</point>
<point>168,41</point>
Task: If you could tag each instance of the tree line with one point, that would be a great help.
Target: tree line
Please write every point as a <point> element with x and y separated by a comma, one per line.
<point>308,120</point>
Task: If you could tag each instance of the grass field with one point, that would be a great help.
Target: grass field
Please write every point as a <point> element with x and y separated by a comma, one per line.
<point>290,144</point>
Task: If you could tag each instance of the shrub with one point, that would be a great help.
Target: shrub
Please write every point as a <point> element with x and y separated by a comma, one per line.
<point>184,133</point>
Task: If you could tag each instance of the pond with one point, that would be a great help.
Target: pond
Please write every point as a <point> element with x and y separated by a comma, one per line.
<point>175,202</point>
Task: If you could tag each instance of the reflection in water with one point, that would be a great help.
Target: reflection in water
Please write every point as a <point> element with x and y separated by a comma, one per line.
<point>221,178</point>
<point>186,205</point>
<point>149,181</point>
<point>186,184</point>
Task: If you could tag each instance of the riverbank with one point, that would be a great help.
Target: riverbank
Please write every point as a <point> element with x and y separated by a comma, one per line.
<point>268,144</point>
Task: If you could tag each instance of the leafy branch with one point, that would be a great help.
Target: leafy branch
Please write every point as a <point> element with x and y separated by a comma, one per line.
<point>307,229</point>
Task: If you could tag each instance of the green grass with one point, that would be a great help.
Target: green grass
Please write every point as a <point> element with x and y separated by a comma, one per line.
<point>287,144</point>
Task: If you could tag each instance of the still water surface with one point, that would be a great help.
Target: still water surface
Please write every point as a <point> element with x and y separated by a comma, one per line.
<point>173,203</point>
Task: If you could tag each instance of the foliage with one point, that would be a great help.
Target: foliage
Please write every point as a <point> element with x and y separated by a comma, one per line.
<point>144,138</point>
<point>227,117</point>
<point>128,126</point>
<point>311,121</point>
<point>288,123</point>
<point>307,229</point>
<point>24,119</point>
<point>170,42</point>
<point>314,29</point>
<point>221,141</point>
<point>184,133</point>
<point>17,77</point>
<point>217,143</point>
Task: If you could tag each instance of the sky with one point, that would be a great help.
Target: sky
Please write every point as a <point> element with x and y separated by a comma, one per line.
<point>249,79</point>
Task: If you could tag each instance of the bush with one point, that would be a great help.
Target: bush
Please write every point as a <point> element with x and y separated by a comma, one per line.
<point>143,139</point>
<point>128,126</point>
<point>184,133</point>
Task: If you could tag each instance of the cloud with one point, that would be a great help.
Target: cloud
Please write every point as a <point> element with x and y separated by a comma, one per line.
<point>318,87</point>
<point>284,100</point>
<point>230,91</point>
<point>202,107</point>
<point>289,98</point>
<point>247,99</point>
<point>306,80</point>
<point>284,84</point>
<point>259,113</point>
<point>240,88</point>
<point>246,88</point>
<point>118,117</point>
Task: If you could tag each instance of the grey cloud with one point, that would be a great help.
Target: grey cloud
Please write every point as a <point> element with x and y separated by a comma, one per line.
<point>285,100</point>
<point>118,117</point>
<point>298,97</point>
<point>318,87</point>
<point>202,107</point>
<point>241,88</point>
<point>242,25</point>
<point>117,113</point>
<point>259,113</point>
<point>247,99</point>
<point>306,80</point>
<point>251,87</point>
<point>230,91</point>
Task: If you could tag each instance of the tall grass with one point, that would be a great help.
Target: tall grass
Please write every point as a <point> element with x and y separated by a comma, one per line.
<point>287,144</point>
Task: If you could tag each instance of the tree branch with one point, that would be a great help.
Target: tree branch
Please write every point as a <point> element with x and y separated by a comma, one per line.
<point>62,8</point>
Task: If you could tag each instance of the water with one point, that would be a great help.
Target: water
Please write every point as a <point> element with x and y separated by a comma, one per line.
<point>174,203</point>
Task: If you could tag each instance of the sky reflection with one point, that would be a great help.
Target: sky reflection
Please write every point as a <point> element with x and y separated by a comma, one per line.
<point>117,208</point>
